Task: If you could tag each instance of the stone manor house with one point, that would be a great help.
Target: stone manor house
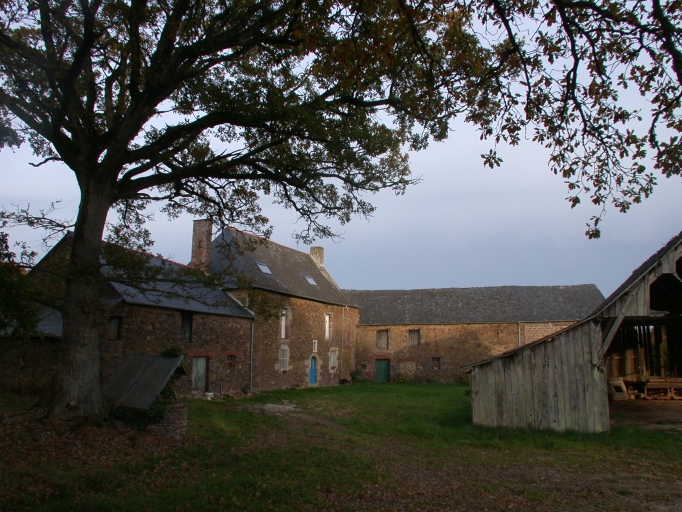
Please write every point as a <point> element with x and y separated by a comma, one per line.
<point>294,327</point>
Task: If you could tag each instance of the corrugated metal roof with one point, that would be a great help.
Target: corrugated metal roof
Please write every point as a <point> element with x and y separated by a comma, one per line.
<point>140,380</point>
<point>290,268</point>
<point>475,305</point>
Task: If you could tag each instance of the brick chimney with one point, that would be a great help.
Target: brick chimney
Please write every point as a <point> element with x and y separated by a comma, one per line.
<point>317,254</point>
<point>201,243</point>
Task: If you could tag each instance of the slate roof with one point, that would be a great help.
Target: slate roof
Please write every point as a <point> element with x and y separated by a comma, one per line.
<point>51,322</point>
<point>140,380</point>
<point>639,272</point>
<point>196,298</point>
<point>475,305</point>
<point>289,268</point>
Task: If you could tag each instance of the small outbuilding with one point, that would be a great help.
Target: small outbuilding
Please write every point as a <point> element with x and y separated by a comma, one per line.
<point>632,343</point>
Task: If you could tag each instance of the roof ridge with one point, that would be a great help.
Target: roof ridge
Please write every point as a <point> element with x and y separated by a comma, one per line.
<point>155,256</point>
<point>641,270</point>
<point>263,238</point>
<point>473,287</point>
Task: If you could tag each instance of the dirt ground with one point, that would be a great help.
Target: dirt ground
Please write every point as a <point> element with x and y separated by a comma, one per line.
<point>647,413</point>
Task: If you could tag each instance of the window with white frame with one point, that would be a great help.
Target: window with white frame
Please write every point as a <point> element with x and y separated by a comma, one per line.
<point>382,339</point>
<point>314,345</point>
<point>328,326</point>
<point>284,358</point>
<point>283,331</point>
<point>264,268</point>
<point>414,338</point>
<point>333,358</point>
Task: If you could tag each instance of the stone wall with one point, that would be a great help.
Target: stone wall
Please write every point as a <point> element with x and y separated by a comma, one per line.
<point>28,368</point>
<point>152,330</point>
<point>174,422</point>
<point>443,349</point>
<point>305,324</point>
<point>536,330</point>
<point>224,341</point>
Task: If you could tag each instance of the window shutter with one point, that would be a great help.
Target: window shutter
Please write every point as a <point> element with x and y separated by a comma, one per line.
<point>382,339</point>
<point>284,358</point>
<point>327,327</point>
<point>283,324</point>
<point>413,338</point>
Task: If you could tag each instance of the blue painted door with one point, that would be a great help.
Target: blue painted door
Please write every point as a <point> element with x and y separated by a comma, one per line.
<point>313,371</point>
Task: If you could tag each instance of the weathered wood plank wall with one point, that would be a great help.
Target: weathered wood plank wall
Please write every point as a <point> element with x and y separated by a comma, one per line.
<point>560,382</point>
<point>639,305</point>
<point>557,384</point>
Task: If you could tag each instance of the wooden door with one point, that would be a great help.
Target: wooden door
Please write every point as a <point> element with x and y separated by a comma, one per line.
<point>199,380</point>
<point>383,370</point>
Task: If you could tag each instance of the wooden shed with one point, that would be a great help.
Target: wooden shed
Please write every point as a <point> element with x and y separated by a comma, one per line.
<point>561,382</point>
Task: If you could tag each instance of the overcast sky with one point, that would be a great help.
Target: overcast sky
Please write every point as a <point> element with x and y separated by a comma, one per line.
<point>464,225</point>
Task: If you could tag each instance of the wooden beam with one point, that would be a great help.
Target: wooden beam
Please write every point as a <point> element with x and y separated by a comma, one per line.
<point>616,324</point>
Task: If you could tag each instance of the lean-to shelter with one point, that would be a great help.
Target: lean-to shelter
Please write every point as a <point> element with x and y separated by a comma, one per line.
<point>560,382</point>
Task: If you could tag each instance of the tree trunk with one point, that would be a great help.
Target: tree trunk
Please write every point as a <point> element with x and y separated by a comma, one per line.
<point>78,390</point>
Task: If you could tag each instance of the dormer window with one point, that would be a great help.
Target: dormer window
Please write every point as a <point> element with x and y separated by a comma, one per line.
<point>310,280</point>
<point>264,268</point>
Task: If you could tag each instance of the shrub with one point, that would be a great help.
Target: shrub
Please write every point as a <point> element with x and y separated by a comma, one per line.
<point>172,351</point>
<point>139,419</point>
<point>356,376</point>
<point>403,378</point>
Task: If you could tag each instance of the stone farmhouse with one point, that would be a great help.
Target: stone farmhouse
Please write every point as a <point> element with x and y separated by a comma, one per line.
<point>203,320</point>
<point>292,326</point>
<point>305,337</point>
<point>430,334</point>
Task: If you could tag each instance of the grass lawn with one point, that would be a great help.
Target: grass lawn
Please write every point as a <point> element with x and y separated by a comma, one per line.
<point>361,447</point>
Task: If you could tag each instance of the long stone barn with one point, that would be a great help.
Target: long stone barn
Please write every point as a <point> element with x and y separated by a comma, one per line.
<point>632,341</point>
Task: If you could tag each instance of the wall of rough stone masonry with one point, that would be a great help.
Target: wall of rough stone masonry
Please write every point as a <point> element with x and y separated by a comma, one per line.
<point>306,322</point>
<point>536,330</point>
<point>174,423</point>
<point>455,345</point>
<point>28,368</point>
<point>152,330</point>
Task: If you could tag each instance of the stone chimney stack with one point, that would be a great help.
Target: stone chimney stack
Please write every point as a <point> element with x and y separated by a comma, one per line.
<point>317,254</point>
<point>201,243</point>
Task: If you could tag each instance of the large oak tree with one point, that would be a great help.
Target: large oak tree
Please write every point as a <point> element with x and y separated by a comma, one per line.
<point>206,105</point>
